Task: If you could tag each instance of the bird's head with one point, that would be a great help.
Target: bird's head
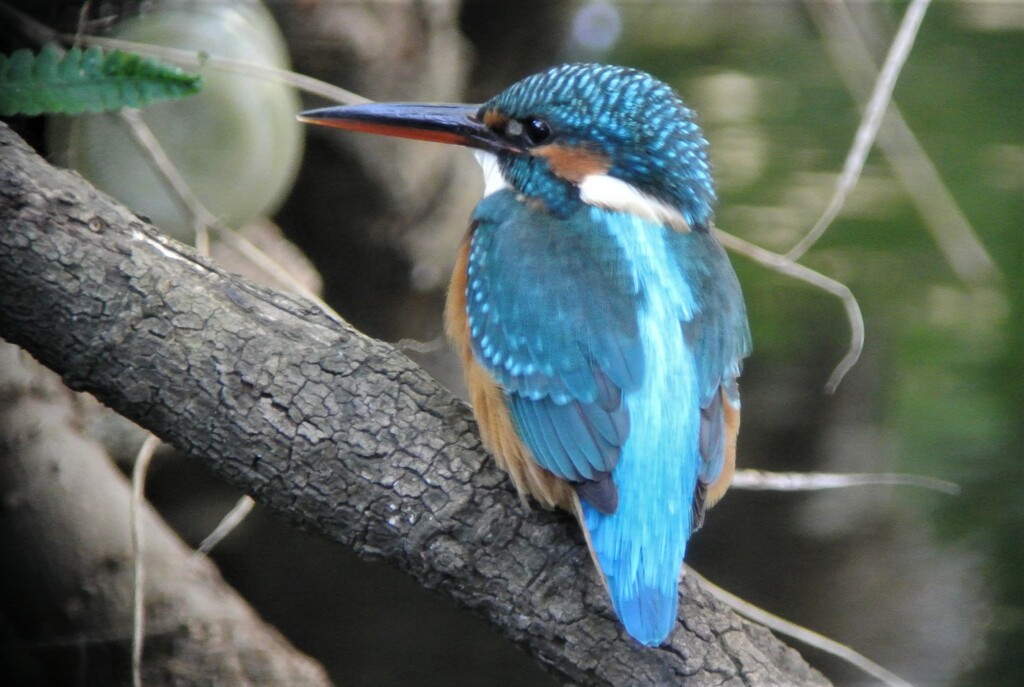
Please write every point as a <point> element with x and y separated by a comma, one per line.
<point>605,136</point>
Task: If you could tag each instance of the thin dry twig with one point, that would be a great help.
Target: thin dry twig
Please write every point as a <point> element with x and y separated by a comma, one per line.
<point>83,15</point>
<point>274,269</point>
<point>802,634</point>
<point>148,144</point>
<point>869,125</point>
<point>142,461</point>
<point>225,527</point>
<point>761,480</point>
<point>950,228</point>
<point>784,265</point>
<point>423,347</point>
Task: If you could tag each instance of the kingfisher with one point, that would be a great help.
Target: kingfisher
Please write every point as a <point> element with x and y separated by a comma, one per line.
<point>600,324</point>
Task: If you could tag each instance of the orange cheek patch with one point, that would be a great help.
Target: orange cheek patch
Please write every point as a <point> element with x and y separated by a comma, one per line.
<point>494,120</point>
<point>573,164</point>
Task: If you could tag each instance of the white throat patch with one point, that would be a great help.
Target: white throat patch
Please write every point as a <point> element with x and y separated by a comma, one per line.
<point>610,193</point>
<point>599,190</point>
<point>494,180</point>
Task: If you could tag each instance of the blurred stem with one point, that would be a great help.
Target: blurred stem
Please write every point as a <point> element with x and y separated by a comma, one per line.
<point>874,111</point>
<point>951,230</point>
<point>784,265</point>
<point>761,480</point>
<point>142,461</point>
<point>226,526</point>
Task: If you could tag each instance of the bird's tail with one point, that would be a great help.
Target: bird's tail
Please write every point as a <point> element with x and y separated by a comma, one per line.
<point>642,580</point>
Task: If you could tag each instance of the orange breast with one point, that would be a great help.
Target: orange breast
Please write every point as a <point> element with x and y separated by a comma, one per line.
<point>732,427</point>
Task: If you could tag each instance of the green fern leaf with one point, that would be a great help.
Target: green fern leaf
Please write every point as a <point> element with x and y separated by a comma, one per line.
<point>90,81</point>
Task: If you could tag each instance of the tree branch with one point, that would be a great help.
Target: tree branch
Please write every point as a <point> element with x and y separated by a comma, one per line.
<point>341,434</point>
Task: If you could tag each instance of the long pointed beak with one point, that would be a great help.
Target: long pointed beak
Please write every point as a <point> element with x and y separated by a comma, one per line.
<point>456,124</point>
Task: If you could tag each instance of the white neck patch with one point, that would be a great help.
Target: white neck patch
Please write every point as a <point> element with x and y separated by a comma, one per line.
<point>599,190</point>
<point>494,180</point>
<point>610,193</point>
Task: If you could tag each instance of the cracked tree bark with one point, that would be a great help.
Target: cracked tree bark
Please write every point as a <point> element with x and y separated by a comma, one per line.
<point>339,433</point>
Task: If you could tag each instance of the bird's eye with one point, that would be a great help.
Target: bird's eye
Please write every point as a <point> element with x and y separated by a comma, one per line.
<point>537,130</point>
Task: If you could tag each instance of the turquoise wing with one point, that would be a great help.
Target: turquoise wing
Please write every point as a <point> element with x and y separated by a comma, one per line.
<point>552,311</point>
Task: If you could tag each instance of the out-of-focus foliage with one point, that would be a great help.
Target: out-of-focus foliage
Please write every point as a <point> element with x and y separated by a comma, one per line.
<point>91,81</point>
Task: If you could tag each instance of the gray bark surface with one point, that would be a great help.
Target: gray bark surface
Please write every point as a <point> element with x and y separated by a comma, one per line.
<point>337,432</point>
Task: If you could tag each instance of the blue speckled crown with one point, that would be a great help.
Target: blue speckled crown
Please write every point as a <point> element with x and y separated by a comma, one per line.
<point>638,121</point>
